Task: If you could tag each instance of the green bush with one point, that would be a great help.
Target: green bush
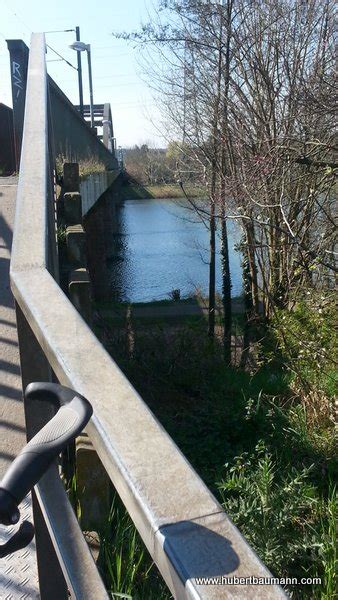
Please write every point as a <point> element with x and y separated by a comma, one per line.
<point>307,339</point>
<point>87,166</point>
<point>284,519</point>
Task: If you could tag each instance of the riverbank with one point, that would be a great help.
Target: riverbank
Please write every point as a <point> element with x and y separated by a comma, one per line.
<point>167,311</point>
<point>248,432</point>
<point>129,321</point>
<point>135,191</point>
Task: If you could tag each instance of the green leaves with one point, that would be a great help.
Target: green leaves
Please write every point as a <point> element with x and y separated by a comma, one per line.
<point>128,569</point>
<point>250,435</point>
<point>281,514</point>
<point>307,338</point>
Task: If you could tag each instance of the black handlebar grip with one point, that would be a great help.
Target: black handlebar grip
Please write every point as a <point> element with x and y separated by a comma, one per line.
<point>29,466</point>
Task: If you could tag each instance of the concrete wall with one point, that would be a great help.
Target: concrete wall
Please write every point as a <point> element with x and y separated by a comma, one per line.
<point>93,187</point>
<point>73,137</point>
<point>99,224</point>
<point>7,150</point>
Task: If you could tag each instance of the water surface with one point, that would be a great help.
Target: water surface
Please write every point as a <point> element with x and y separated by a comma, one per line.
<point>161,245</point>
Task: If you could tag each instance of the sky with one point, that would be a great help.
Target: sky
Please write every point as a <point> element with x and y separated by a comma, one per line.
<point>117,72</point>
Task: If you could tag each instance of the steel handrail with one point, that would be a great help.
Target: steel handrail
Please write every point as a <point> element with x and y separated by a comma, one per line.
<point>183,526</point>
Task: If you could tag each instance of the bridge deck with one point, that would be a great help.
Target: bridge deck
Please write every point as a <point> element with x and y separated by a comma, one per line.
<point>18,572</point>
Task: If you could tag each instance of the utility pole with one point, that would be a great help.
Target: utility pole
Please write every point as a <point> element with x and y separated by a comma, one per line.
<point>79,72</point>
<point>90,86</point>
<point>79,46</point>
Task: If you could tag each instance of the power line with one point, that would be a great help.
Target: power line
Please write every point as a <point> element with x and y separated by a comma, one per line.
<point>48,46</point>
<point>60,31</point>
<point>96,56</point>
<point>17,16</point>
<point>115,77</point>
<point>110,47</point>
<point>118,85</point>
<point>132,104</point>
<point>61,57</point>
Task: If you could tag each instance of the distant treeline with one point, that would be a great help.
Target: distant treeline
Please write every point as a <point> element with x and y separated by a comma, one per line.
<point>149,166</point>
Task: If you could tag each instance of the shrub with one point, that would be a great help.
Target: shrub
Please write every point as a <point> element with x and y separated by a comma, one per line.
<point>283,518</point>
<point>306,338</point>
<point>87,166</point>
<point>175,295</point>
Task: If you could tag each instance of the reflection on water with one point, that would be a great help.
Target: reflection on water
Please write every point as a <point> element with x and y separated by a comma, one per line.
<point>158,246</point>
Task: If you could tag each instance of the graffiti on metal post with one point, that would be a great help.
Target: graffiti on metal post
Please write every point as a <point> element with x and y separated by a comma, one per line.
<point>17,79</point>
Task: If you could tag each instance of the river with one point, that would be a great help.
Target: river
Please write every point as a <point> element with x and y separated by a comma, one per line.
<point>160,245</point>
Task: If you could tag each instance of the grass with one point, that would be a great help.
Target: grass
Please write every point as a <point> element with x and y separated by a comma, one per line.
<point>134,191</point>
<point>195,299</point>
<point>4,172</point>
<point>171,321</point>
<point>61,234</point>
<point>90,167</point>
<point>307,338</point>
<point>126,566</point>
<point>250,438</point>
<point>329,545</point>
<point>165,302</point>
<point>87,166</point>
<point>153,321</point>
<point>115,314</point>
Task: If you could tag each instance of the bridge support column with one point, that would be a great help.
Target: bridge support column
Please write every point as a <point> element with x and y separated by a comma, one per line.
<point>76,245</point>
<point>72,207</point>
<point>93,484</point>
<point>19,64</point>
<point>79,293</point>
<point>97,225</point>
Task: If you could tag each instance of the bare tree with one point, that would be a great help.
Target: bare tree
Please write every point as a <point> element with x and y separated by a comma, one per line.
<point>248,87</point>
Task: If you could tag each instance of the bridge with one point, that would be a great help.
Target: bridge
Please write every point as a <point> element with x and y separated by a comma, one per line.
<point>44,337</point>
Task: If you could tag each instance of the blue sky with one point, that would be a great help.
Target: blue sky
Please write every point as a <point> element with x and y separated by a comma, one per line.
<point>117,74</point>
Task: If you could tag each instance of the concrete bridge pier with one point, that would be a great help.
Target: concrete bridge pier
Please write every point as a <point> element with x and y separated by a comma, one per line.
<point>99,225</point>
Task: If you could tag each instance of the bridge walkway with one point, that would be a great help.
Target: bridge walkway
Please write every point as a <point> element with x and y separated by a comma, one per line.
<point>18,572</point>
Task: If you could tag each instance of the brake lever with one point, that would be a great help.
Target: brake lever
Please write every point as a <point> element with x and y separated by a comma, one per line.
<point>20,539</point>
<point>35,458</point>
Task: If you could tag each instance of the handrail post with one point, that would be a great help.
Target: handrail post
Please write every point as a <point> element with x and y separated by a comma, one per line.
<point>35,367</point>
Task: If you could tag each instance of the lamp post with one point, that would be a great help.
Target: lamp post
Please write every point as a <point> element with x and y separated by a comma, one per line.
<point>79,72</point>
<point>81,47</point>
<point>79,66</point>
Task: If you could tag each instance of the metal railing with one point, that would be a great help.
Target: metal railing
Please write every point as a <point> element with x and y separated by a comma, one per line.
<point>102,118</point>
<point>183,526</point>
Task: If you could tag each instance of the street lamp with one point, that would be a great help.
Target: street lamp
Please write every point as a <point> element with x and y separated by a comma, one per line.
<point>79,71</point>
<point>79,67</point>
<point>81,47</point>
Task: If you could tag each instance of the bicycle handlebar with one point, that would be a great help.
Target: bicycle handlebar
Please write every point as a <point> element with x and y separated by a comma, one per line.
<point>34,459</point>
